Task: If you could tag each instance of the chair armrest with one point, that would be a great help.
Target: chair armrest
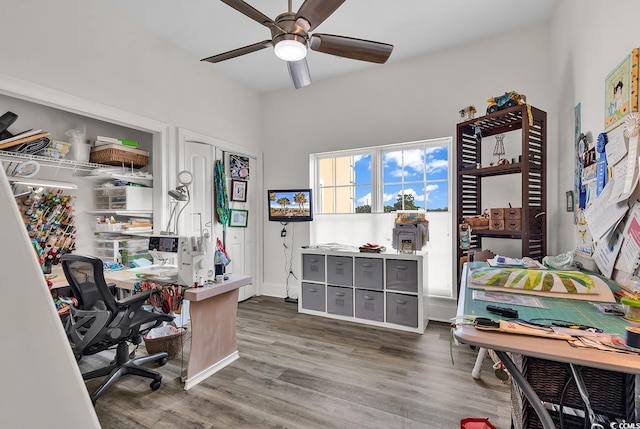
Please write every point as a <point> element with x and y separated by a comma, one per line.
<point>134,298</point>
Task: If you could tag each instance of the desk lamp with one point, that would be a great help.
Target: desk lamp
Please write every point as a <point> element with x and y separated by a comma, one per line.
<point>180,194</point>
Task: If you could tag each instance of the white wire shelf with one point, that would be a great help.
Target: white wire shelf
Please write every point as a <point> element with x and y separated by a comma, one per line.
<point>48,161</point>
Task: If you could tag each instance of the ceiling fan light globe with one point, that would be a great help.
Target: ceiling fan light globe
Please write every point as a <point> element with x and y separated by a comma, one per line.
<point>290,50</point>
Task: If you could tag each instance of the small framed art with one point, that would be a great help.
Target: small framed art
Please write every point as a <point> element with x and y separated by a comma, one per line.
<point>239,190</point>
<point>238,218</point>
<point>570,202</point>
<point>621,91</point>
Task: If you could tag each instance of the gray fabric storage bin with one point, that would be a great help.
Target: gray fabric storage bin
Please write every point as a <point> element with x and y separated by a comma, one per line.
<point>340,270</point>
<point>340,300</point>
<point>313,296</point>
<point>370,305</point>
<point>402,275</point>
<point>402,309</point>
<point>313,267</point>
<point>368,273</point>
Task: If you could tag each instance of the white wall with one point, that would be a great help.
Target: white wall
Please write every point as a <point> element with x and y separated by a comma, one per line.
<point>408,101</point>
<point>84,49</point>
<point>87,49</point>
<point>590,37</point>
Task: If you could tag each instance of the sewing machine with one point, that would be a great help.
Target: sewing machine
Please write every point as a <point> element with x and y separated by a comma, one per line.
<point>192,256</point>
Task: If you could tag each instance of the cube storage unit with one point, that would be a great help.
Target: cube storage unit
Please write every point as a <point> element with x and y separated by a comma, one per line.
<point>381,289</point>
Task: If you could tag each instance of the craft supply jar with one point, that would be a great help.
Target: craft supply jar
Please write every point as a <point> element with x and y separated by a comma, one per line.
<point>631,308</point>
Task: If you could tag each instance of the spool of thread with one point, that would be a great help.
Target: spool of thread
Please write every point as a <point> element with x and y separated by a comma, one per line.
<point>632,336</point>
<point>631,309</point>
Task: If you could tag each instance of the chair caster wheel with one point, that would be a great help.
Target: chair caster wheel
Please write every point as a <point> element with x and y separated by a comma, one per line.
<point>155,384</point>
<point>163,361</point>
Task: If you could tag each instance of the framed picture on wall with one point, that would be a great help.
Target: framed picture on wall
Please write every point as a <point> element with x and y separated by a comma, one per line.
<point>238,218</point>
<point>239,190</point>
<point>239,166</point>
<point>621,91</point>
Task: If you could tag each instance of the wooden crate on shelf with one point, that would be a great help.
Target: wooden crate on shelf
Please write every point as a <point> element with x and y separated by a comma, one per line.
<point>115,154</point>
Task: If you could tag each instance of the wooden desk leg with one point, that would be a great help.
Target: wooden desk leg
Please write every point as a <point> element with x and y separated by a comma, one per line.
<point>213,336</point>
<point>532,396</point>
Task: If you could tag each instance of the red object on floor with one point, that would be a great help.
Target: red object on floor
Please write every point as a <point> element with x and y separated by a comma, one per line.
<point>474,423</point>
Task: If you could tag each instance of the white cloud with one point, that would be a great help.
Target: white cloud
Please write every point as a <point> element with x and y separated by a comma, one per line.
<point>364,200</point>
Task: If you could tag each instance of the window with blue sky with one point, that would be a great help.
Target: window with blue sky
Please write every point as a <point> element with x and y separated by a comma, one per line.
<point>384,179</point>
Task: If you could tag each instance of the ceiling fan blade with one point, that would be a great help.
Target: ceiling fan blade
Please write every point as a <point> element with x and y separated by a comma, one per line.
<point>316,11</point>
<point>349,47</point>
<point>251,12</point>
<point>237,52</point>
<point>299,72</point>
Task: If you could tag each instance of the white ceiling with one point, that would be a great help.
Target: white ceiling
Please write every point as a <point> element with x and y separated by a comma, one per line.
<point>415,28</point>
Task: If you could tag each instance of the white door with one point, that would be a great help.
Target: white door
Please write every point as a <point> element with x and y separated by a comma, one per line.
<point>199,161</point>
<point>241,242</point>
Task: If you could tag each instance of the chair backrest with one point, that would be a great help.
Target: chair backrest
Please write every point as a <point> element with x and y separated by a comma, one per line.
<point>85,275</point>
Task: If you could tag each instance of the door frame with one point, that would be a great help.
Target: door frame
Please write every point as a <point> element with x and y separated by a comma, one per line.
<point>183,136</point>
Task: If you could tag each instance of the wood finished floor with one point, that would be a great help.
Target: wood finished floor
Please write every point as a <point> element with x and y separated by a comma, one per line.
<point>302,371</point>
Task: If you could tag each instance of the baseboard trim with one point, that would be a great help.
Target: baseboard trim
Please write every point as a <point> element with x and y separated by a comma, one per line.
<point>203,375</point>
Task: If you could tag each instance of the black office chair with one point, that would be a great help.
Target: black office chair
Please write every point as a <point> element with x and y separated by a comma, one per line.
<point>100,322</point>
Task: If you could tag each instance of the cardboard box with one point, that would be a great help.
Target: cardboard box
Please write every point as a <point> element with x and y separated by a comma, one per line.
<point>512,213</point>
<point>496,225</point>
<point>496,213</point>
<point>512,224</point>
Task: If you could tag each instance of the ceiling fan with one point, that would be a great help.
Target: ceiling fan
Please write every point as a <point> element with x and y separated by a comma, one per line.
<point>290,38</point>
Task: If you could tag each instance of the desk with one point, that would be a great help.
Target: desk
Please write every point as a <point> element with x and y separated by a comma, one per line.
<point>549,349</point>
<point>213,310</point>
<point>123,279</point>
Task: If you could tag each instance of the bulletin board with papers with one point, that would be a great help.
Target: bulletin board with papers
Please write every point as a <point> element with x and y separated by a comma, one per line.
<point>612,210</point>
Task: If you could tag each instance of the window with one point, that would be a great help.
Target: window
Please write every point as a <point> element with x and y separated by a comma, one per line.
<point>344,184</point>
<point>357,192</point>
<point>384,179</point>
<point>416,178</point>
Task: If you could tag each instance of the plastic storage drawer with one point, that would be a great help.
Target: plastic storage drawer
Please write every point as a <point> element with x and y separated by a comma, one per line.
<point>131,244</point>
<point>123,198</point>
<point>402,275</point>
<point>313,297</point>
<point>402,309</point>
<point>368,273</point>
<point>370,305</point>
<point>340,300</point>
<point>340,270</point>
<point>313,267</point>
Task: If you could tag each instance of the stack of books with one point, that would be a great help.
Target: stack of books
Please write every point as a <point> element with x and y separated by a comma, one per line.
<point>102,141</point>
<point>372,248</point>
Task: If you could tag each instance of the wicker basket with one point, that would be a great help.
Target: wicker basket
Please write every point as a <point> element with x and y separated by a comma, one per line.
<point>611,393</point>
<point>172,344</point>
<point>113,154</point>
<point>478,223</point>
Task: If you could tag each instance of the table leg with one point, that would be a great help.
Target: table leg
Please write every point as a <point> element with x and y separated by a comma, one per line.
<point>531,395</point>
<point>477,368</point>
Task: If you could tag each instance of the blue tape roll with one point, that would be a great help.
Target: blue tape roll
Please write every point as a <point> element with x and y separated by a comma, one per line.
<point>632,336</point>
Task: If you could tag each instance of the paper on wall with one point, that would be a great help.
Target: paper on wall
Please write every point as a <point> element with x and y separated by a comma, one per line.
<point>616,147</point>
<point>606,252</point>
<point>623,180</point>
<point>630,250</point>
<point>603,217</point>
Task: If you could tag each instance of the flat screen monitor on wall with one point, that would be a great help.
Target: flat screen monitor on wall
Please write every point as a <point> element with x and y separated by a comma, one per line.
<point>290,205</point>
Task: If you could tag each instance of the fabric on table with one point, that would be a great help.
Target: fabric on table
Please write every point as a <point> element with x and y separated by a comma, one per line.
<point>571,282</point>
